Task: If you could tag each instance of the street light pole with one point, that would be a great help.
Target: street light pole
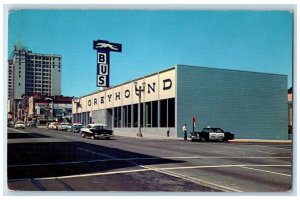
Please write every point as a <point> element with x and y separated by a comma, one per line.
<point>52,106</point>
<point>77,103</point>
<point>140,90</point>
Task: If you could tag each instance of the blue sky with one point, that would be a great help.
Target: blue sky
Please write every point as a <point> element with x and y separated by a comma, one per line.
<point>258,41</point>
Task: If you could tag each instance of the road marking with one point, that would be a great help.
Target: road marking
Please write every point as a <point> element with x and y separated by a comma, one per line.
<point>225,157</point>
<point>132,159</point>
<point>145,168</point>
<point>95,174</point>
<point>277,173</point>
<point>19,131</point>
<point>192,179</point>
<point>165,170</point>
<point>246,149</point>
<point>274,147</point>
<point>60,163</point>
<point>100,154</point>
<point>220,166</point>
<point>202,182</point>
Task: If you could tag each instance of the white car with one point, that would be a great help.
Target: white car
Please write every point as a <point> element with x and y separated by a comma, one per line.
<point>20,124</point>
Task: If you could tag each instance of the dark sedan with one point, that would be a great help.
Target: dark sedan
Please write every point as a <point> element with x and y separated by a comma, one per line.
<point>96,131</point>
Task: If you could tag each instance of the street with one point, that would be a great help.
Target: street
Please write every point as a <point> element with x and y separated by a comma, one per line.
<point>48,160</point>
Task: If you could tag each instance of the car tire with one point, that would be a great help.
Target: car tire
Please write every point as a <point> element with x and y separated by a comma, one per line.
<point>92,137</point>
<point>202,139</point>
<point>83,135</point>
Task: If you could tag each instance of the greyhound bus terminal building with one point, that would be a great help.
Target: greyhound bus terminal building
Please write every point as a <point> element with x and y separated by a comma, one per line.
<point>248,104</point>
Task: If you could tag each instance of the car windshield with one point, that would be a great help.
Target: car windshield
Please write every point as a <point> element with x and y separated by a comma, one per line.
<point>205,129</point>
<point>77,126</point>
<point>19,122</point>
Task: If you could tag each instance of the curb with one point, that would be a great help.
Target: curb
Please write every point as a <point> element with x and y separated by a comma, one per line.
<point>259,141</point>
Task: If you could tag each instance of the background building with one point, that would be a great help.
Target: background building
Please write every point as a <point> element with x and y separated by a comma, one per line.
<point>32,73</point>
<point>42,108</point>
<point>249,104</point>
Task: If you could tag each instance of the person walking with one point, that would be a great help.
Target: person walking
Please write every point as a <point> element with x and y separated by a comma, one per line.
<point>184,132</point>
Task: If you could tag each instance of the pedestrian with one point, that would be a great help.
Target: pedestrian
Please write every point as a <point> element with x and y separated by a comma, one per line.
<point>184,132</point>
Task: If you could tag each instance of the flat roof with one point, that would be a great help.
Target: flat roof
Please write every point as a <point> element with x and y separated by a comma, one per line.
<point>237,70</point>
<point>174,67</point>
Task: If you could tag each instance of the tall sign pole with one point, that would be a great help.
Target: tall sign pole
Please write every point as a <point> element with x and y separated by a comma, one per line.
<point>194,123</point>
<point>103,48</point>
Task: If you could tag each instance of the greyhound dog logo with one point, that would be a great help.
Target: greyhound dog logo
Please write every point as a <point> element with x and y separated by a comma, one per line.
<point>105,45</point>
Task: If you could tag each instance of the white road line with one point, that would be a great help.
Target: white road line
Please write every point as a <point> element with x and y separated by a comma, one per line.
<point>60,163</point>
<point>192,179</point>
<point>202,182</point>
<point>274,147</point>
<point>19,131</point>
<point>247,149</point>
<point>220,166</point>
<point>145,168</point>
<point>100,154</point>
<point>277,173</point>
<point>132,159</point>
<point>225,157</point>
<point>95,174</point>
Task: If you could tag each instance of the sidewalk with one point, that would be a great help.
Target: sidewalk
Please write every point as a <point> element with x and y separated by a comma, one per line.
<point>248,141</point>
<point>145,136</point>
<point>157,137</point>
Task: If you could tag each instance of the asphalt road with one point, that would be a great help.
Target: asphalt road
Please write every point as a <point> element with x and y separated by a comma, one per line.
<point>47,160</point>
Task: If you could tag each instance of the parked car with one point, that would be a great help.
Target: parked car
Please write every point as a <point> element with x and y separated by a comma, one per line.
<point>75,128</point>
<point>53,125</point>
<point>11,124</point>
<point>96,131</point>
<point>31,124</point>
<point>211,134</point>
<point>19,124</point>
<point>63,126</point>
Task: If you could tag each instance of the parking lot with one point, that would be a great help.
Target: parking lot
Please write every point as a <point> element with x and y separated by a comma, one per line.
<point>48,160</point>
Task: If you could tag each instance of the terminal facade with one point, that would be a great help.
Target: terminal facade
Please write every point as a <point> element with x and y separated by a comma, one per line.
<point>248,104</point>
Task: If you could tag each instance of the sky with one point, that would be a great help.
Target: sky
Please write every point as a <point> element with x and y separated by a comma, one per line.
<point>154,40</point>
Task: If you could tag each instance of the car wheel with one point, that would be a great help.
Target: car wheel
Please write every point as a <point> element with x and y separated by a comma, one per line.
<point>202,139</point>
<point>107,138</point>
<point>225,140</point>
<point>83,135</point>
<point>92,137</point>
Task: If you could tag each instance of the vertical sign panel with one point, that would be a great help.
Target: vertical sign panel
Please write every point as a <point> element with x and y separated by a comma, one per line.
<point>103,48</point>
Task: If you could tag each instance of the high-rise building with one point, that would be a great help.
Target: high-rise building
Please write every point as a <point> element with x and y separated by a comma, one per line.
<point>32,73</point>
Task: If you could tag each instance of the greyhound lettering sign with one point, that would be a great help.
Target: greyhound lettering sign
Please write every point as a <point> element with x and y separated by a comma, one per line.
<point>103,48</point>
